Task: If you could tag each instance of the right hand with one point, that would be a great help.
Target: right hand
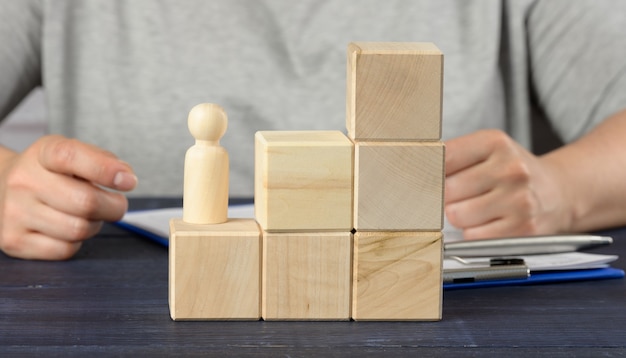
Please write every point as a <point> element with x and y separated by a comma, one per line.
<point>53,197</point>
<point>496,188</point>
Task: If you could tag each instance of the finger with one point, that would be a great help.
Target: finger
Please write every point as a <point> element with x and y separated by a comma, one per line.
<point>474,148</point>
<point>471,182</point>
<point>496,214</point>
<point>508,226</point>
<point>464,152</point>
<point>36,246</point>
<point>494,229</point>
<point>72,157</point>
<point>61,226</point>
<point>502,202</point>
<point>475,211</point>
<point>83,199</point>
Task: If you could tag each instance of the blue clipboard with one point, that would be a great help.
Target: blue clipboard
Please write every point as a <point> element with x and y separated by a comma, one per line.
<point>145,233</point>
<point>543,277</point>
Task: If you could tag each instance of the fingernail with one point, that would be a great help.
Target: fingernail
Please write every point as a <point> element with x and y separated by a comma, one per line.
<point>124,181</point>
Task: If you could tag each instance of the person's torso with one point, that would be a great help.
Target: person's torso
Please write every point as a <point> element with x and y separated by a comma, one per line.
<point>124,74</point>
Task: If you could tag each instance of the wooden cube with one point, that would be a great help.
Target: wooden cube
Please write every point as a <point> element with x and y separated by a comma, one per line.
<point>306,276</point>
<point>303,180</point>
<point>215,270</point>
<point>394,91</point>
<point>398,186</point>
<point>397,276</point>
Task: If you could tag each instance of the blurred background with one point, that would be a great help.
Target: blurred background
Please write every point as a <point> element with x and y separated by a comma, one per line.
<point>26,123</point>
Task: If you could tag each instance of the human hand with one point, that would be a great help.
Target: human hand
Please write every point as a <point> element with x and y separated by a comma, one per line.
<point>53,197</point>
<point>496,188</point>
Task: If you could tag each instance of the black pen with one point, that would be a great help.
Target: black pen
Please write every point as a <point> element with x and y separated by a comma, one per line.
<point>491,273</point>
<point>525,245</point>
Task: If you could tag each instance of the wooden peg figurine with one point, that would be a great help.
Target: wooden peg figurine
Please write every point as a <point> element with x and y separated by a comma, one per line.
<point>205,193</point>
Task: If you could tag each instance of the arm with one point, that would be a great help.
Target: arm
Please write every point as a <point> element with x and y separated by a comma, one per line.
<point>52,196</point>
<point>494,187</point>
<point>594,172</point>
<point>497,188</point>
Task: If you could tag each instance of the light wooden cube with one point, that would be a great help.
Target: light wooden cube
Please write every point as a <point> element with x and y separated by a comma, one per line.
<point>215,270</point>
<point>397,276</point>
<point>303,180</point>
<point>306,276</point>
<point>394,91</point>
<point>398,186</point>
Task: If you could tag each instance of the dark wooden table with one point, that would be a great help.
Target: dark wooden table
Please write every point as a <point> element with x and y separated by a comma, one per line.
<point>111,299</point>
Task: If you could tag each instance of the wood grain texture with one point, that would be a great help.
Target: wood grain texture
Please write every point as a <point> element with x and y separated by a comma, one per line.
<point>303,180</point>
<point>111,299</point>
<point>215,270</point>
<point>306,276</point>
<point>397,276</point>
<point>394,91</point>
<point>398,186</point>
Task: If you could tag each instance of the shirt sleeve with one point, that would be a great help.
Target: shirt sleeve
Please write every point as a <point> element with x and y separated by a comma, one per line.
<point>577,54</point>
<point>20,51</point>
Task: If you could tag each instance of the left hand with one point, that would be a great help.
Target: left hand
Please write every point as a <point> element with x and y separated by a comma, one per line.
<point>54,196</point>
<point>496,188</point>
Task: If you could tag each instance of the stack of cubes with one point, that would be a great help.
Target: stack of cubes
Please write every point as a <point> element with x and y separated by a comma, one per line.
<point>394,104</point>
<point>349,227</point>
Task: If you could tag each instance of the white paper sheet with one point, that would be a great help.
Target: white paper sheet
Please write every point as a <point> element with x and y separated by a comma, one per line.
<point>157,222</point>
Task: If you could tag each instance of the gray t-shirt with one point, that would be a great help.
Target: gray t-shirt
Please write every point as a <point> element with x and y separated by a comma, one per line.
<point>124,74</point>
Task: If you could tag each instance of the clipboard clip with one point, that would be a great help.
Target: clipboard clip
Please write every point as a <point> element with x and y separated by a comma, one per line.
<point>499,268</point>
